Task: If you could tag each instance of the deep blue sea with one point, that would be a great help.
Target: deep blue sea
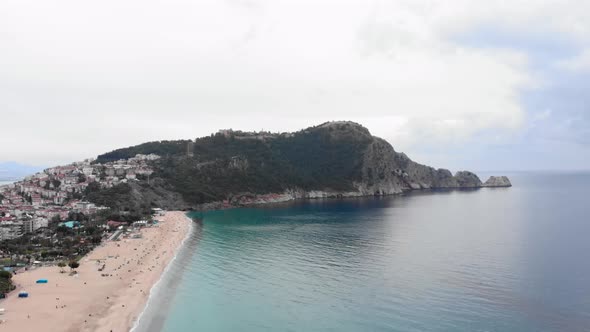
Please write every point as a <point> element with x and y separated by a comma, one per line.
<point>514,259</point>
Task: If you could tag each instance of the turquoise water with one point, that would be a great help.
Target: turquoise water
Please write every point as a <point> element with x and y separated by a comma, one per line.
<point>484,260</point>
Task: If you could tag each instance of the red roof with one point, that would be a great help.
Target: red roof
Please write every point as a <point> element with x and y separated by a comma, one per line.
<point>112,223</point>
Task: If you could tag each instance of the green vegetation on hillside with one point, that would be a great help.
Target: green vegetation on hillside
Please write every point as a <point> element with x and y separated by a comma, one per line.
<point>317,158</point>
<point>120,199</point>
<point>161,148</point>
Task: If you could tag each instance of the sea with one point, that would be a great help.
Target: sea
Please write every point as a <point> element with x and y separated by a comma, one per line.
<point>3,182</point>
<point>491,259</point>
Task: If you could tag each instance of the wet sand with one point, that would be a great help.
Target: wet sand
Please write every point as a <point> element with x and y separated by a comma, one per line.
<point>90,301</point>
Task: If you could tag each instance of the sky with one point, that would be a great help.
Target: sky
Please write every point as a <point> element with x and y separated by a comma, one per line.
<point>458,84</point>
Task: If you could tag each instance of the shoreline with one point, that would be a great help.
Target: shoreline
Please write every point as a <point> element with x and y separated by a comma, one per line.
<point>282,198</point>
<point>95,299</point>
<point>156,286</point>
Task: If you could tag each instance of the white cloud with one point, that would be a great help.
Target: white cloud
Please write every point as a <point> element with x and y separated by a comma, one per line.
<point>78,78</point>
<point>542,116</point>
<point>564,19</point>
<point>580,62</point>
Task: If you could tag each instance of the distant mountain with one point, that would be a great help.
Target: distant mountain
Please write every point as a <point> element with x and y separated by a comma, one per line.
<point>10,171</point>
<point>334,159</point>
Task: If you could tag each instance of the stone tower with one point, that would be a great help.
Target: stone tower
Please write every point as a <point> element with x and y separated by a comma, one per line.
<point>190,147</point>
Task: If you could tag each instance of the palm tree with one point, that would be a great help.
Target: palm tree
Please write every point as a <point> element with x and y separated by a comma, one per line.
<point>73,265</point>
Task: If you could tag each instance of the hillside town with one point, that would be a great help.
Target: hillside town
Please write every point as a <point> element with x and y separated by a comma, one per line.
<point>50,197</point>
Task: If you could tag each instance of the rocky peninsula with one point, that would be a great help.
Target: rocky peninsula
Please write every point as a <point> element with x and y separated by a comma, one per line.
<point>235,168</point>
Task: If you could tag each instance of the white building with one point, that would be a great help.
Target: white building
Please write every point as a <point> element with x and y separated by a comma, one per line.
<point>31,225</point>
<point>11,230</point>
<point>28,225</point>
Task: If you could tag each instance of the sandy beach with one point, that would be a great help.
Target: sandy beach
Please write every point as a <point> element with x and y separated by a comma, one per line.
<point>90,301</point>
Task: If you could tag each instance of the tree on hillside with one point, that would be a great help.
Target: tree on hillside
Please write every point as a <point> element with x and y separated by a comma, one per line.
<point>81,178</point>
<point>77,216</point>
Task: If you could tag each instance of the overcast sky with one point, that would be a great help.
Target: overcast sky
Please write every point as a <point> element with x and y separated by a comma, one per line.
<point>479,85</point>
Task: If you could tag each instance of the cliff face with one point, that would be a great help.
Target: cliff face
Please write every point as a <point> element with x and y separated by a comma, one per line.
<point>381,174</point>
<point>335,159</point>
<point>386,172</point>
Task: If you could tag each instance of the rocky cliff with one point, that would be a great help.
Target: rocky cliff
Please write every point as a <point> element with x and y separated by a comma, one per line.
<point>334,159</point>
<point>386,172</point>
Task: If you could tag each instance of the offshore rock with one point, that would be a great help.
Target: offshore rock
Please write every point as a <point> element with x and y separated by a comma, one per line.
<point>497,181</point>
